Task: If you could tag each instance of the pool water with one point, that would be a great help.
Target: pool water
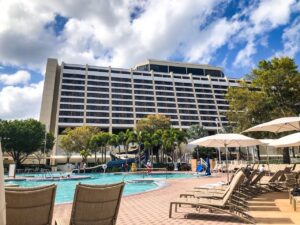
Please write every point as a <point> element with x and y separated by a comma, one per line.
<point>66,188</point>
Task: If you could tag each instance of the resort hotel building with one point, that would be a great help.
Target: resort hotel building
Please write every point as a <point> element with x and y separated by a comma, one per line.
<point>114,99</point>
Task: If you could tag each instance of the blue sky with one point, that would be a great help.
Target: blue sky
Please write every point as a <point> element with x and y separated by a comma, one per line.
<point>235,35</point>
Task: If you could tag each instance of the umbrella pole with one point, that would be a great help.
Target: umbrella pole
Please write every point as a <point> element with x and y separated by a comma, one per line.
<point>220,160</point>
<point>226,150</point>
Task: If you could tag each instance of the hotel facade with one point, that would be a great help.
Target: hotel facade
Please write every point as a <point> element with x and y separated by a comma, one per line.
<point>114,99</point>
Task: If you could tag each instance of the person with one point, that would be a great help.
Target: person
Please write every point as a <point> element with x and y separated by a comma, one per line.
<point>126,167</point>
<point>84,166</point>
<point>262,168</point>
<point>149,166</point>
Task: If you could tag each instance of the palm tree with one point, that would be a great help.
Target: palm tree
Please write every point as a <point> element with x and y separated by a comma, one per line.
<point>181,138</point>
<point>101,140</point>
<point>168,142</point>
<point>156,143</point>
<point>115,142</point>
<point>138,137</point>
<point>196,131</point>
<point>85,154</point>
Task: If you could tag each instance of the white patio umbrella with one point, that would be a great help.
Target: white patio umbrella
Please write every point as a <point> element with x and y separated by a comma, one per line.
<point>2,193</point>
<point>287,141</point>
<point>226,141</point>
<point>278,125</point>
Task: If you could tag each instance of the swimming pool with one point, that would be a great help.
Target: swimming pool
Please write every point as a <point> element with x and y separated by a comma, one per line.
<point>66,188</point>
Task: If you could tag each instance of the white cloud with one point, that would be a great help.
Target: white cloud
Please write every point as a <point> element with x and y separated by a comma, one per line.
<point>267,16</point>
<point>291,39</point>
<point>21,102</point>
<point>20,77</point>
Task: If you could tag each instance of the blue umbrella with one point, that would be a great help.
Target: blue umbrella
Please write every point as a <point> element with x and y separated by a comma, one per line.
<point>207,172</point>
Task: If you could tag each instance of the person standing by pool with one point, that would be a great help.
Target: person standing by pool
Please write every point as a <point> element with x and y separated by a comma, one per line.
<point>149,166</point>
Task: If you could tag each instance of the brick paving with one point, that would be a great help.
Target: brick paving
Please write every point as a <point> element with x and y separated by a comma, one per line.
<point>153,208</point>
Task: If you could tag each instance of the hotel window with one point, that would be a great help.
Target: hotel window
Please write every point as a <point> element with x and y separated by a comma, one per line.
<point>165,99</point>
<point>96,107</point>
<point>67,81</point>
<point>117,108</point>
<point>140,86</point>
<point>99,121</point>
<point>121,79</point>
<point>125,115</point>
<point>166,88</point>
<point>122,96</point>
<point>97,101</point>
<point>163,82</point>
<point>92,77</point>
<point>142,92</point>
<point>147,98</point>
<point>125,91</point>
<point>97,114</point>
<point>71,93</point>
<point>159,68</point>
<point>78,76</point>
<point>68,106</point>
<point>176,69</point>
<point>117,102</point>
<point>167,110</point>
<point>184,89</point>
<point>195,71</point>
<point>185,100</point>
<point>144,110</point>
<point>120,71</point>
<point>123,85</point>
<point>98,70</point>
<point>118,121</point>
<point>70,113</point>
<point>189,106</point>
<point>144,103</point>
<point>164,93</point>
<point>73,68</point>
<point>70,120</point>
<point>185,111</point>
<point>97,83</point>
<point>97,95</point>
<point>143,81</point>
<point>78,100</point>
<point>184,95</point>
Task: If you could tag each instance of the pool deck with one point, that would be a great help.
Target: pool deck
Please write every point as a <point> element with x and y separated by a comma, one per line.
<point>153,207</point>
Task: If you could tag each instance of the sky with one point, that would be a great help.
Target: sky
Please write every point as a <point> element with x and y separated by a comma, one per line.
<point>234,35</point>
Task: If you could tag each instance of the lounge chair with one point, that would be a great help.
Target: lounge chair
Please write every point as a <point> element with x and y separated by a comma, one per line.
<point>30,206</point>
<point>95,205</point>
<point>224,205</point>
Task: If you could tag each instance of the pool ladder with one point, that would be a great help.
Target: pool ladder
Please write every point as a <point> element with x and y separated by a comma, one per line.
<point>47,173</point>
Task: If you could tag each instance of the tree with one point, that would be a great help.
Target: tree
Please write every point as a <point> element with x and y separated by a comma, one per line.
<point>138,137</point>
<point>45,149</point>
<point>273,93</point>
<point>77,139</point>
<point>152,123</point>
<point>22,138</point>
<point>181,137</point>
<point>100,140</point>
<point>85,154</point>
<point>196,131</point>
<point>115,142</point>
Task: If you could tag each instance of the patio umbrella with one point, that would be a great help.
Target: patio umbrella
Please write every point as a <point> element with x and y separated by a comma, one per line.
<point>2,193</point>
<point>278,125</point>
<point>287,141</point>
<point>226,141</point>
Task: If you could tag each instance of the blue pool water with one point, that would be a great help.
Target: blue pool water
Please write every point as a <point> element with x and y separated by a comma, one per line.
<point>66,188</point>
